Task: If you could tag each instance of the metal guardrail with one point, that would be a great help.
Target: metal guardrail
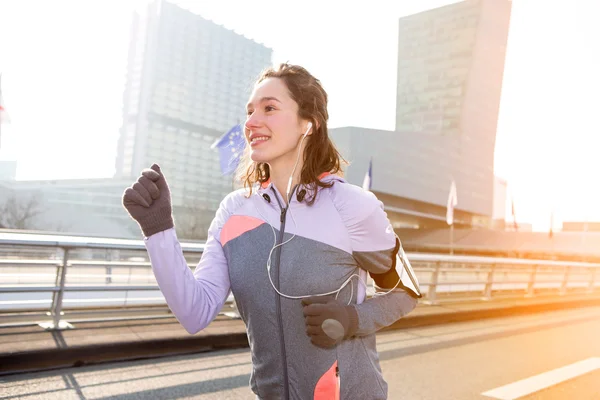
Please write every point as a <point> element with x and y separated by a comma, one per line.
<point>51,279</point>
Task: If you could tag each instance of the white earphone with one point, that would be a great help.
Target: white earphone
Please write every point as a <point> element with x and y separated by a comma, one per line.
<point>289,185</point>
<point>309,126</point>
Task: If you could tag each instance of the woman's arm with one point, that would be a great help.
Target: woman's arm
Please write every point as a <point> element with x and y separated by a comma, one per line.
<point>194,298</point>
<point>375,246</point>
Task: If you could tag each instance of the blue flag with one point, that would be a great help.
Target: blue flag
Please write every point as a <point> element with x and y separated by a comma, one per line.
<point>231,146</point>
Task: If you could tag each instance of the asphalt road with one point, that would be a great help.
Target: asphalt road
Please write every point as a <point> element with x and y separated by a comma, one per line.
<point>552,355</point>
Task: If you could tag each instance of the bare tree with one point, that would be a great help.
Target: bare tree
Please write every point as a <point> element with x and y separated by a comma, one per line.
<point>61,227</point>
<point>18,213</point>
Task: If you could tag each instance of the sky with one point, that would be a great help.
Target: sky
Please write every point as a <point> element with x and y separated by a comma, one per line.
<point>63,64</point>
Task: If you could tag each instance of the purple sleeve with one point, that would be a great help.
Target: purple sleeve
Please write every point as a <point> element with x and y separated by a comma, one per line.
<point>372,237</point>
<point>194,298</point>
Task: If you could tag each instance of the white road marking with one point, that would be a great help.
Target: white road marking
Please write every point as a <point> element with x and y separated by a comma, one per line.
<point>538,382</point>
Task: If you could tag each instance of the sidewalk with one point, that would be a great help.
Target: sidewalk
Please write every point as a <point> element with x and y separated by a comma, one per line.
<point>31,348</point>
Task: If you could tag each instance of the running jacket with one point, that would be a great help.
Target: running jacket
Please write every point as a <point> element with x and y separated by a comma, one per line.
<point>344,232</point>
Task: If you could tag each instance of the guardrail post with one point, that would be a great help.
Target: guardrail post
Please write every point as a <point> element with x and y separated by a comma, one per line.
<point>565,281</point>
<point>487,292</point>
<point>431,290</point>
<point>592,280</point>
<point>531,284</point>
<point>57,299</point>
<point>108,258</point>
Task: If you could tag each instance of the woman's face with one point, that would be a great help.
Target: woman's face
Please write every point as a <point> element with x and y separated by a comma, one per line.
<point>272,127</point>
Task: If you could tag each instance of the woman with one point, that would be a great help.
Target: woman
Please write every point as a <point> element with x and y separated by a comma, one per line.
<point>290,246</point>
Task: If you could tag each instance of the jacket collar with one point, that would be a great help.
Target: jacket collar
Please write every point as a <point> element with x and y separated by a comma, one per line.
<point>266,189</point>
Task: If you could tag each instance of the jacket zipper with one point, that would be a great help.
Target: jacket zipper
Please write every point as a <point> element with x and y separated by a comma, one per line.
<point>278,304</point>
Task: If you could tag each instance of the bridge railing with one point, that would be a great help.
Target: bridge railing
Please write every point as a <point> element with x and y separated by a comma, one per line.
<point>55,281</point>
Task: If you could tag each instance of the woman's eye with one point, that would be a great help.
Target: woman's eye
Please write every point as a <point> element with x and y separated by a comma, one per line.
<point>249,112</point>
<point>269,108</point>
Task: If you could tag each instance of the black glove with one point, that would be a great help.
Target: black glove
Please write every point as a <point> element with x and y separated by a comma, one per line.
<point>329,321</point>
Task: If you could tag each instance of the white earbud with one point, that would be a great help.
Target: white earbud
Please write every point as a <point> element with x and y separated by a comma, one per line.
<point>289,186</point>
<point>309,127</point>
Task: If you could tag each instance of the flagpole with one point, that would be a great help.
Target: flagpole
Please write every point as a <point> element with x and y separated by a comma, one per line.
<point>512,209</point>
<point>452,202</point>
<point>452,239</point>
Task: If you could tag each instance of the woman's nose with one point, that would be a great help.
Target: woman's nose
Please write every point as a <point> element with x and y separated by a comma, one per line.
<point>253,121</point>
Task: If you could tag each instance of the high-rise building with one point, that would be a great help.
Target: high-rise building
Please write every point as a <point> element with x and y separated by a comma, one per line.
<point>450,67</point>
<point>450,72</point>
<point>188,80</point>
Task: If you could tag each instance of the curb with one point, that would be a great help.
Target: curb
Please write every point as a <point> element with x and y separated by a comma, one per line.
<point>41,360</point>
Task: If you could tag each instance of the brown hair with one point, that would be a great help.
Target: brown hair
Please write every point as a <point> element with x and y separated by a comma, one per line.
<point>320,154</point>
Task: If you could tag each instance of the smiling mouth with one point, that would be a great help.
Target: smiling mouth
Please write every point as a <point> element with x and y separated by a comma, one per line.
<point>258,139</point>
